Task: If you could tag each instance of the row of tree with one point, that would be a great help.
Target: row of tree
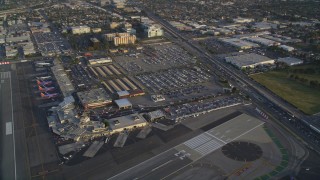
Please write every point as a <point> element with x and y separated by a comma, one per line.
<point>312,83</point>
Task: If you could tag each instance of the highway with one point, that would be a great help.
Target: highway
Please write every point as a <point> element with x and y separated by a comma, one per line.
<point>258,94</point>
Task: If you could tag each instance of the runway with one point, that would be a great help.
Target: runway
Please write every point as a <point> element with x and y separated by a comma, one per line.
<point>169,162</point>
<point>12,138</point>
<point>8,159</point>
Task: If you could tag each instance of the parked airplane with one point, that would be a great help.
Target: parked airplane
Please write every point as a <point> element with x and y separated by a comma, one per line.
<point>45,95</point>
<point>39,82</point>
<point>43,64</point>
<point>43,88</point>
<point>44,78</point>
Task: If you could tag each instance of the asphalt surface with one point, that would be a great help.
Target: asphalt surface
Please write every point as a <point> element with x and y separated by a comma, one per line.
<point>157,167</point>
<point>12,144</point>
<point>260,95</point>
<point>7,139</point>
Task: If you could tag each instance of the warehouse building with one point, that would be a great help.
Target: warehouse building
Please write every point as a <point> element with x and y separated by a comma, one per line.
<point>123,123</point>
<point>94,98</point>
<point>290,61</point>
<point>248,60</point>
<point>123,104</point>
<point>238,43</point>
<point>286,48</point>
<point>262,41</point>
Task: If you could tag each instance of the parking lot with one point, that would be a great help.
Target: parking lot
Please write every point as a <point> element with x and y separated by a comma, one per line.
<point>51,43</point>
<point>154,58</point>
<point>180,112</point>
<point>172,79</point>
<point>81,78</point>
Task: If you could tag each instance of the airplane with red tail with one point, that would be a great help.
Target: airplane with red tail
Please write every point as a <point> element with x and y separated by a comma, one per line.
<point>39,82</point>
<point>43,88</point>
<point>45,95</point>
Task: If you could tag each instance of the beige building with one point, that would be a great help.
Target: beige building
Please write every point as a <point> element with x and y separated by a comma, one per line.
<point>80,29</point>
<point>121,38</point>
<point>122,123</point>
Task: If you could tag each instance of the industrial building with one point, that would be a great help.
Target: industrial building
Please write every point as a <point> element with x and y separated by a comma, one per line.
<point>238,43</point>
<point>262,41</point>
<point>248,60</point>
<point>290,61</point>
<point>123,104</point>
<point>122,123</point>
<point>80,29</point>
<point>94,98</point>
<point>286,48</point>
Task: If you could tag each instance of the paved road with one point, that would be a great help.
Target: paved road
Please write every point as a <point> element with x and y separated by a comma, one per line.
<point>246,85</point>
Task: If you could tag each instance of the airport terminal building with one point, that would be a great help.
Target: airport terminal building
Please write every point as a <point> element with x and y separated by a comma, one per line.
<point>94,98</point>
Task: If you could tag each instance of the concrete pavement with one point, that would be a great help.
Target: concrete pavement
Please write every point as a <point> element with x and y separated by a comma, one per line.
<point>14,162</point>
<point>8,158</point>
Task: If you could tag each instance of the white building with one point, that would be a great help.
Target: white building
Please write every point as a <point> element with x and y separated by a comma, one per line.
<point>287,48</point>
<point>238,43</point>
<point>80,29</point>
<point>262,41</point>
<point>243,20</point>
<point>122,123</point>
<point>153,30</point>
<point>249,60</point>
<point>290,61</point>
<point>99,61</point>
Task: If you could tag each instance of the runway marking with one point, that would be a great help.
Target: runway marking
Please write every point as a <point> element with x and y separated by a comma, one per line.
<point>162,165</point>
<point>13,136</point>
<point>5,75</point>
<point>197,141</point>
<point>209,147</point>
<point>8,128</point>
<point>202,144</point>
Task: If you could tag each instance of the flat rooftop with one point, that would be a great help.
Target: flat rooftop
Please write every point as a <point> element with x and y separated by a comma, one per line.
<point>62,78</point>
<point>94,96</point>
<point>123,103</point>
<point>126,121</point>
<point>247,59</point>
<point>239,43</point>
<point>290,60</point>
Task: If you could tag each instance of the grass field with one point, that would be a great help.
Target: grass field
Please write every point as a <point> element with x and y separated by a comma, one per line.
<point>304,97</point>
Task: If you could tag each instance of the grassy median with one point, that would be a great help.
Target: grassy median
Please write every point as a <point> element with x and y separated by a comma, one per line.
<point>301,95</point>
